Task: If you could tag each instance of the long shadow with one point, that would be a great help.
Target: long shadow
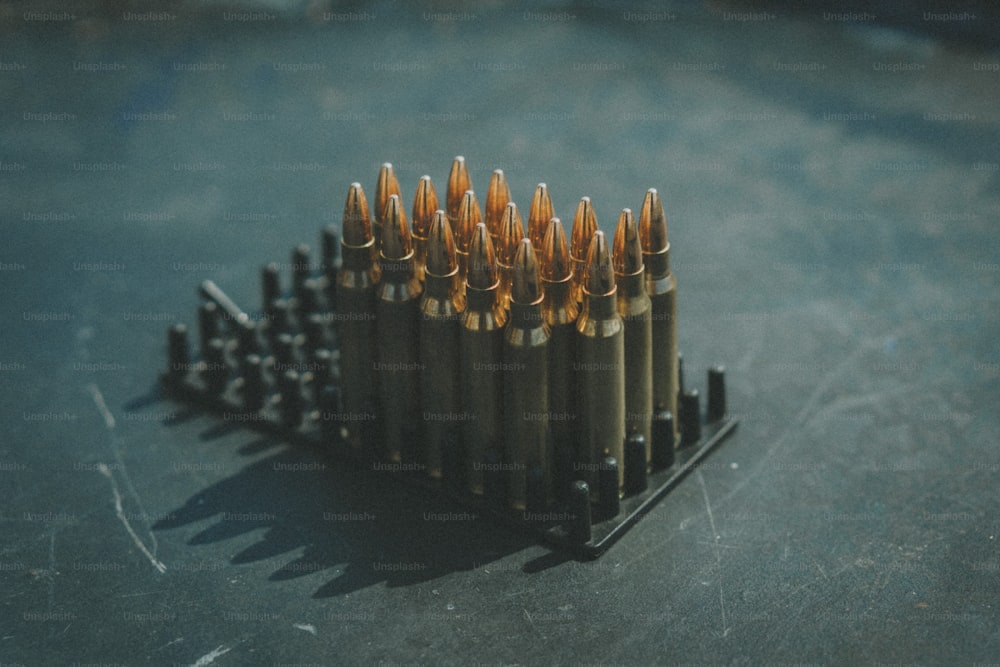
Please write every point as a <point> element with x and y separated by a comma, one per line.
<point>373,525</point>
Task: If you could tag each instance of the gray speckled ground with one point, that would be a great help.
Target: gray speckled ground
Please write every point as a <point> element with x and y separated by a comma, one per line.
<point>833,231</point>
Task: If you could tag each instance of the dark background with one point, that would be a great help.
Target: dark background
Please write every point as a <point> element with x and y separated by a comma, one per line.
<point>831,185</point>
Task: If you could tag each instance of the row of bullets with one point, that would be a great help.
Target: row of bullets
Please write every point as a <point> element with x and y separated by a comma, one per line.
<point>481,345</point>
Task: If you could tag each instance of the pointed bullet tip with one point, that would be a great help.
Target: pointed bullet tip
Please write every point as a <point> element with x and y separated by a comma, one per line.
<point>511,233</point>
<point>526,287</point>
<point>653,223</point>
<point>396,241</point>
<point>441,258</point>
<point>599,274</point>
<point>555,265</point>
<point>425,203</point>
<point>357,224</point>
<point>539,214</point>
<point>628,250</point>
<point>482,260</point>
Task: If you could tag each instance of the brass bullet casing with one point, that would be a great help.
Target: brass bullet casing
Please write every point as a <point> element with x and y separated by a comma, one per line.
<point>662,290</point>
<point>425,203</point>
<point>560,311</point>
<point>355,293</point>
<point>385,186</point>
<point>511,233</point>
<point>397,312</point>
<point>441,307</point>
<point>636,310</point>
<point>600,366</point>
<point>497,196</point>
<point>481,351</point>
<point>584,226</point>
<point>469,215</point>
<point>458,184</point>
<point>526,383</point>
<point>539,215</point>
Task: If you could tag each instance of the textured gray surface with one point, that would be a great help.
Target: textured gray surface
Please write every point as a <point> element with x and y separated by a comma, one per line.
<point>834,236</point>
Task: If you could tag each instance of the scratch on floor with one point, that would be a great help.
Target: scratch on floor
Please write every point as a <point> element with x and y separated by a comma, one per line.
<point>109,421</point>
<point>102,407</point>
<point>715,547</point>
<point>120,512</point>
<point>210,657</point>
<point>308,627</point>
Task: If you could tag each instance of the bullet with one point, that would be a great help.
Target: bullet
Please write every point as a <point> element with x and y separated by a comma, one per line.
<point>584,226</point>
<point>539,215</point>
<point>526,379</point>
<point>636,310</point>
<point>662,290</point>
<point>560,311</point>
<point>397,311</point>
<point>356,299</point>
<point>497,196</point>
<point>600,365</point>
<point>469,215</point>
<point>425,203</point>
<point>441,307</point>
<point>511,234</point>
<point>458,183</point>
<point>481,351</point>
<point>385,186</point>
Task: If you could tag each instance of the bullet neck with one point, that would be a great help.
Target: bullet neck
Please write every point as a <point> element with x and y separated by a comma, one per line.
<point>600,306</point>
<point>526,315</point>
<point>631,285</point>
<point>440,287</point>
<point>358,259</point>
<point>657,264</point>
<point>398,270</point>
<point>559,307</point>
<point>481,299</point>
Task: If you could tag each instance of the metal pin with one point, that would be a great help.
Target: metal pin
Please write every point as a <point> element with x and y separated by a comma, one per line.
<point>635,464</point>
<point>579,508</point>
<point>608,492</point>
<point>270,284</point>
<point>690,417</point>
<point>663,439</point>
<point>208,324</point>
<point>290,388</point>
<point>716,393</point>
<point>214,368</point>
<point>254,388</point>
<point>177,352</point>
<point>301,270</point>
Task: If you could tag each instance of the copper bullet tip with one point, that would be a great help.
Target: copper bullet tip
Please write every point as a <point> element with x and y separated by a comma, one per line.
<point>469,215</point>
<point>555,264</point>
<point>599,274</point>
<point>526,287</point>
<point>539,215</point>
<point>511,233</point>
<point>396,241</point>
<point>357,225</point>
<point>628,250</point>
<point>497,196</point>
<point>386,186</point>
<point>425,203</point>
<point>653,223</point>
<point>584,226</point>
<point>441,259</point>
<point>458,183</point>
<point>482,261</point>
